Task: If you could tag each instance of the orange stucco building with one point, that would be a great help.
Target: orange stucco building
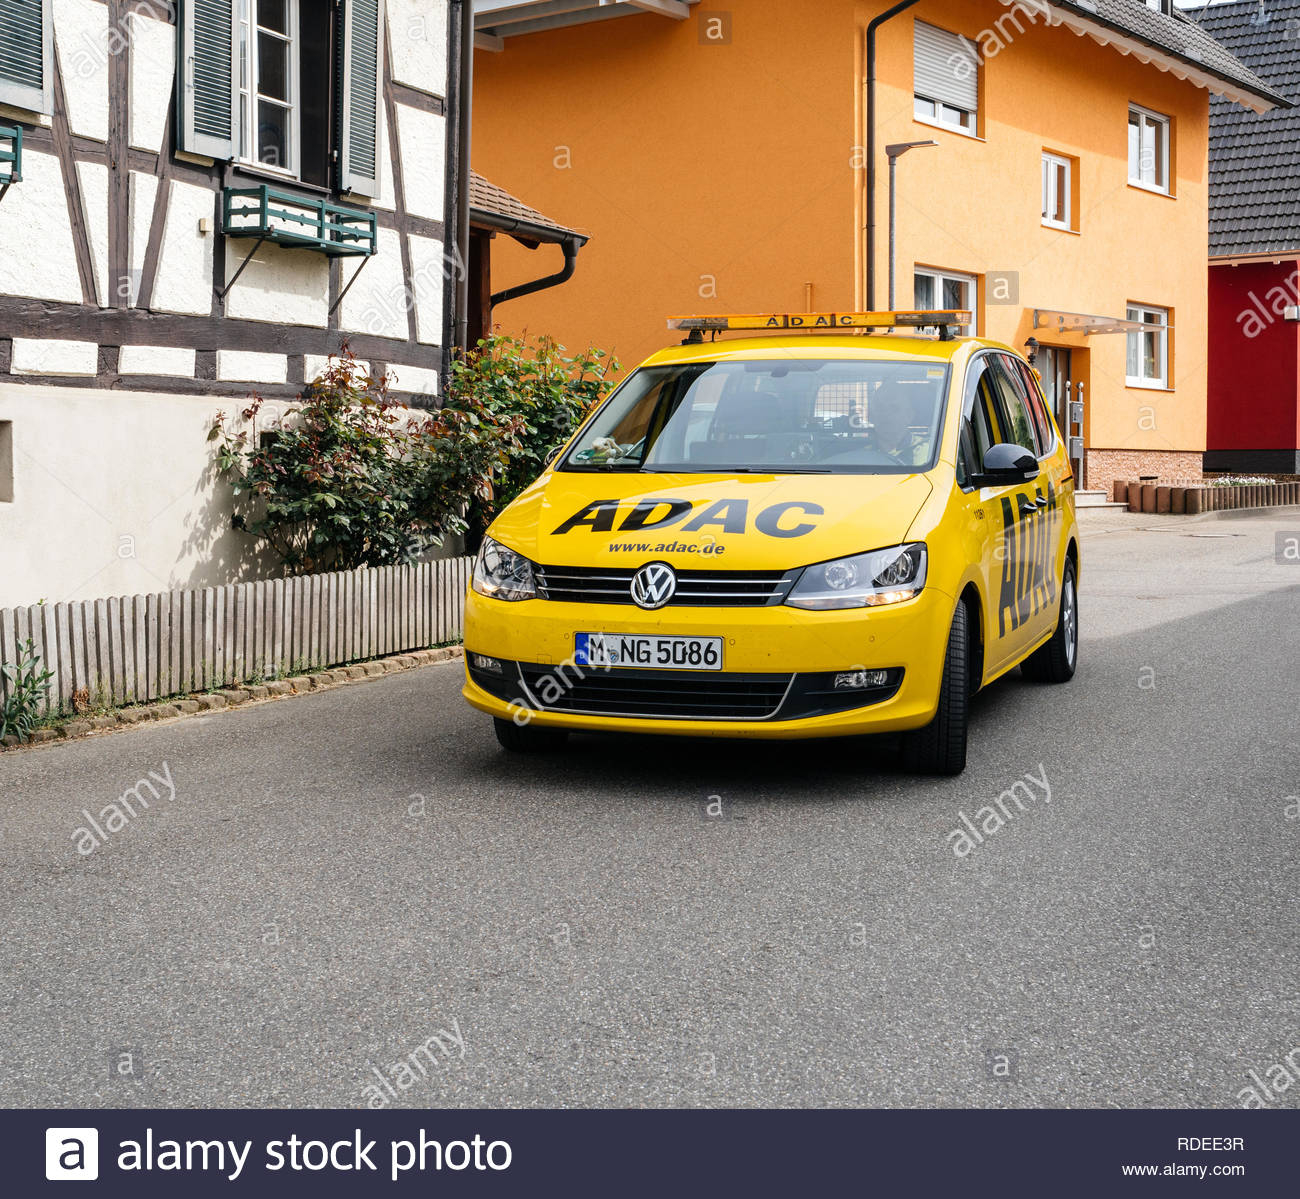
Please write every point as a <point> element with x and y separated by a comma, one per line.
<point>717,158</point>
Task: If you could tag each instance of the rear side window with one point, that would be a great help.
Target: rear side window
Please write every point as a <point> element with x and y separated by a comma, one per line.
<point>1037,409</point>
<point>1018,425</point>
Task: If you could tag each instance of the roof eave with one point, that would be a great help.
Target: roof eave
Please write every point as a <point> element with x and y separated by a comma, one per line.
<point>524,230</point>
<point>1107,33</point>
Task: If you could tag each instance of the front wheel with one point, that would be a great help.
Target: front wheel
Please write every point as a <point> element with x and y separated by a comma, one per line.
<point>528,738</point>
<point>1054,660</point>
<point>940,747</point>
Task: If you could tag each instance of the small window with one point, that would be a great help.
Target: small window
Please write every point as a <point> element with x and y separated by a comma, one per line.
<point>1148,149</point>
<point>1058,172</point>
<point>1148,348</point>
<point>946,79</point>
<point>937,290</point>
<point>6,462</point>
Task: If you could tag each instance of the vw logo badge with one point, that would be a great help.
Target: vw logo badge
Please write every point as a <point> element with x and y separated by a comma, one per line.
<point>654,585</point>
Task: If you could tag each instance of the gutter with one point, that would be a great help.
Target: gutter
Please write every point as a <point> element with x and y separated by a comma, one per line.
<point>570,245</point>
<point>875,24</point>
<point>465,113</point>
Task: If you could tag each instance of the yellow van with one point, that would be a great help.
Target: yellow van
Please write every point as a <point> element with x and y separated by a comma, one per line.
<point>835,526</point>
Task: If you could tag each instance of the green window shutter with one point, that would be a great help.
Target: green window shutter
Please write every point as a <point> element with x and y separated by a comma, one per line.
<point>206,79</point>
<point>26,54</point>
<point>363,32</point>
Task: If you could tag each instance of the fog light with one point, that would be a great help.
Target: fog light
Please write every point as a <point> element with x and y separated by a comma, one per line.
<point>489,664</point>
<point>860,680</point>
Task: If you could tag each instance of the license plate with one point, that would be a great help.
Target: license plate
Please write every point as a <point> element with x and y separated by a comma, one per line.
<point>649,653</point>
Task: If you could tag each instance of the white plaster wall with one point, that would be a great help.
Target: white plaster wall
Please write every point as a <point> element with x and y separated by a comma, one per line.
<point>416,380</point>
<point>184,282</point>
<point>245,366</point>
<point>378,300</point>
<point>422,138</point>
<point>35,213</point>
<point>94,203</point>
<point>81,34</point>
<point>314,366</point>
<point>143,191</point>
<point>156,360</point>
<point>428,280</point>
<point>114,495</point>
<point>54,356</point>
<point>418,33</point>
<point>153,67</point>
<point>289,287</point>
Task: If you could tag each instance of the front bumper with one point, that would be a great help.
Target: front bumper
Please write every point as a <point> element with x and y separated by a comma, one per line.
<point>779,662</point>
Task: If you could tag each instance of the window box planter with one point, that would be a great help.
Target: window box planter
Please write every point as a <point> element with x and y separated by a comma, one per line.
<point>298,221</point>
<point>11,155</point>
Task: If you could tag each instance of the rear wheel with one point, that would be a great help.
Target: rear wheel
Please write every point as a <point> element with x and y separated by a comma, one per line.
<point>940,747</point>
<point>1054,660</point>
<point>528,738</point>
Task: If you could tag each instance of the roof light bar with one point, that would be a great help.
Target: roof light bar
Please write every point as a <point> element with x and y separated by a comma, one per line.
<point>824,321</point>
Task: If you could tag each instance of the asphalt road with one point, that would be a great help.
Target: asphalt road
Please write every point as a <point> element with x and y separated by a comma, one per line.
<point>590,935</point>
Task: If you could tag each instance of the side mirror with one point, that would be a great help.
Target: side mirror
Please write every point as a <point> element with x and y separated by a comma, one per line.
<point>1005,465</point>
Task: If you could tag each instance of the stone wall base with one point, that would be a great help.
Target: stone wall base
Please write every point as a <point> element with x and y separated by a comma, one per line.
<point>1103,467</point>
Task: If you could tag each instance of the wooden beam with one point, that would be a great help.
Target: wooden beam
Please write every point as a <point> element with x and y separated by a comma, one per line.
<point>489,41</point>
<point>665,8</point>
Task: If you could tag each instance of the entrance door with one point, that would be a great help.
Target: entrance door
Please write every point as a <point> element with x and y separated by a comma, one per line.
<point>1055,366</point>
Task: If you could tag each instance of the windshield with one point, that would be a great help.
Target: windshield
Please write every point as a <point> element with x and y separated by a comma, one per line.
<point>831,416</point>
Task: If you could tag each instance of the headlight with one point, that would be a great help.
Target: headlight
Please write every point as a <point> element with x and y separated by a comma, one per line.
<point>862,581</point>
<point>503,574</point>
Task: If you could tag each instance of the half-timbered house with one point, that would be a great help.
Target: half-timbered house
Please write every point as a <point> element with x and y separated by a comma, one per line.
<point>200,200</point>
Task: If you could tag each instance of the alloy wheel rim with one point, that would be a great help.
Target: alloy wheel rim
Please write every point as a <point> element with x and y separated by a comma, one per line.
<point>1070,621</point>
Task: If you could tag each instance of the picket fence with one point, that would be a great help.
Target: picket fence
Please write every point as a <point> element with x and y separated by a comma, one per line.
<point>146,647</point>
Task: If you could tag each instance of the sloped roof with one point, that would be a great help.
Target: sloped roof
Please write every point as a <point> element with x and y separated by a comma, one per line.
<point>493,207</point>
<point>1255,157</point>
<point>1176,41</point>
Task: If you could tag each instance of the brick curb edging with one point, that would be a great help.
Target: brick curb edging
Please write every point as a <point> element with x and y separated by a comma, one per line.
<point>234,697</point>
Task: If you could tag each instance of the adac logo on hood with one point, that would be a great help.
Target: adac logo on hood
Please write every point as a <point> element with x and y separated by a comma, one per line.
<point>785,519</point>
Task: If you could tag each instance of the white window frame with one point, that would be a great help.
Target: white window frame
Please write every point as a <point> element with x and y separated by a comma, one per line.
<point>248,92</point>
<point>1164,128</point>
<point>1052,163</point>
<point>1149,314</point>
<point>939,277</point>
<point>945,116</point>
<point>930,110</point>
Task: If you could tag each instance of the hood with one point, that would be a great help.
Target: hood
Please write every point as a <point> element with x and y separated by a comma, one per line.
<point>694,521</point>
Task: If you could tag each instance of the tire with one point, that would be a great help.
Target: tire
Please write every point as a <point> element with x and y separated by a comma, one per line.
<point>1054,661</point>
<point>528,738</point>
<point>940,747</point>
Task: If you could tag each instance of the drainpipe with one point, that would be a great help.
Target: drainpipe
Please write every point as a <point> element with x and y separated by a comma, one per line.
<point>875,24</point>
<point>570,246</point>
<point>465,99</point>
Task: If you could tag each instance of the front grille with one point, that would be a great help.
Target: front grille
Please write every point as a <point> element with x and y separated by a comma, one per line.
<point>695,588</point>
<point>674,694</point>
<point>657,694</point>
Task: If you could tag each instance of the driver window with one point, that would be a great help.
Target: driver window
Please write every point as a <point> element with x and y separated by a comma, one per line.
<point>979,424</point>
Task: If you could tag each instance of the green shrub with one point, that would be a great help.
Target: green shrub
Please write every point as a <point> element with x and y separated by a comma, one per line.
<point>534,384</point>
<point>28,685</point>
<point>352,479</point>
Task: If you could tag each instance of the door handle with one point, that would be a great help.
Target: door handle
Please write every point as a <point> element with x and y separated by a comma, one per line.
<point>1040,500</point>
<point>1027,506</point>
